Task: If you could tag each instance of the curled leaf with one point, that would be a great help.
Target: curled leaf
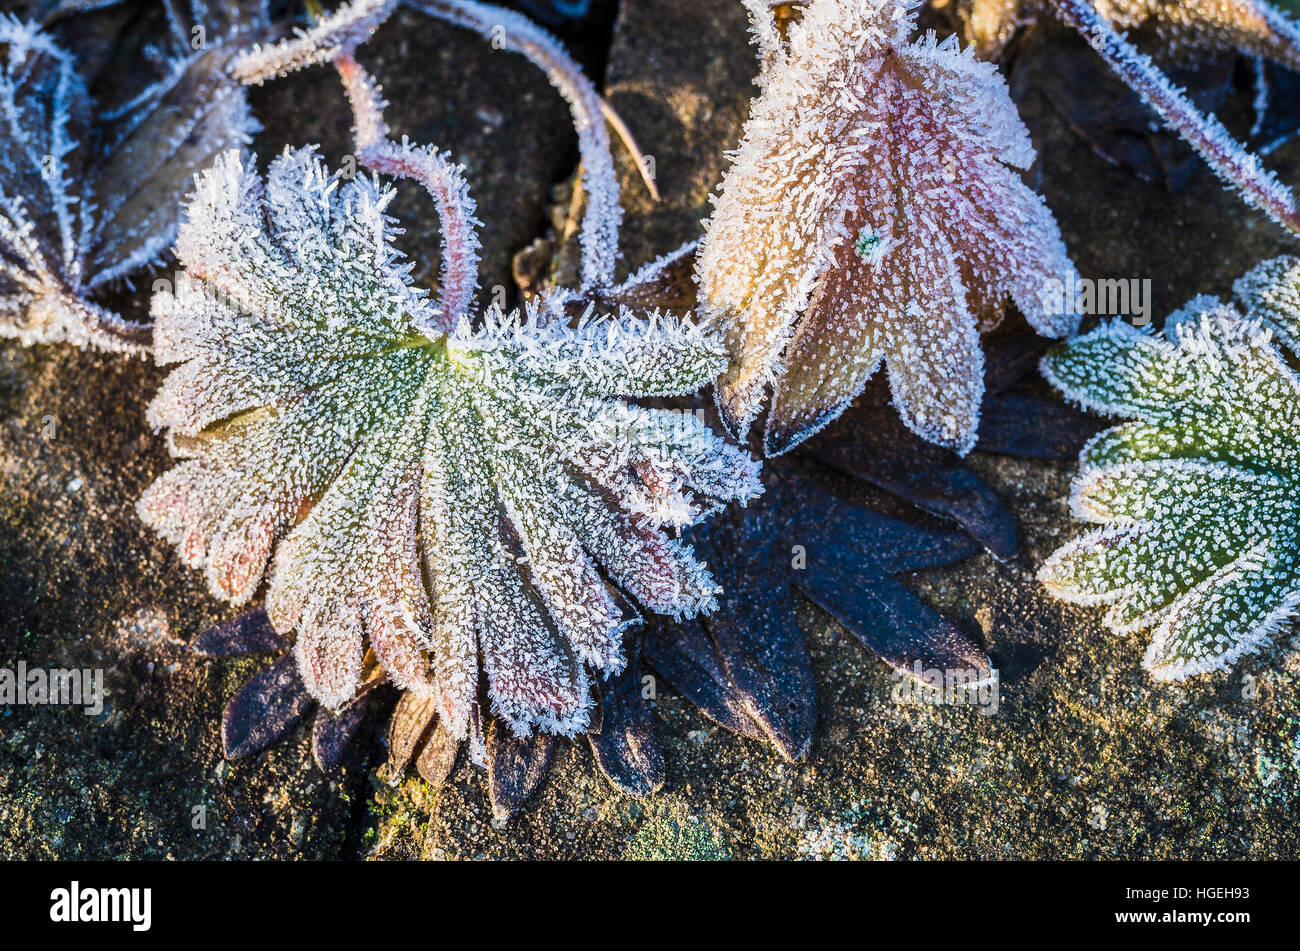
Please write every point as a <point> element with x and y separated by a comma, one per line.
<point>874,215</point>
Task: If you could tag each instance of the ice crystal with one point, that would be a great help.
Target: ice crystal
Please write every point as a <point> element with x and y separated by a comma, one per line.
<point>449,496</point>
<point>90,196</point>
<point>1197,493</point>
<point>874,212</point>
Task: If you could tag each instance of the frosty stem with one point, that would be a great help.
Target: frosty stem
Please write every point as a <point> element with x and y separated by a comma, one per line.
<point>341,31</point>
<point>506,29</point>
<point>1225,155</point>
<point>441,179</point>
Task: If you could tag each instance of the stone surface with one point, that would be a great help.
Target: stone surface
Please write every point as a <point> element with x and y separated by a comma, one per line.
<point>1086,757</point>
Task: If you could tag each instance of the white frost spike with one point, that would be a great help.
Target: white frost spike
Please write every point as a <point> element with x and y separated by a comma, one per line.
<point>1197,495</point>
<point>446,498</point>
<point>765,35</point>
<point>873,213</point>
<point>1206,134</point>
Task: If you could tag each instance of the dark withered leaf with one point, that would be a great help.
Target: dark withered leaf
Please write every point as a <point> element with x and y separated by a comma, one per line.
<point>1026,426</point>
<point>1033,428</point>
<point>896,625</point>
<point>91,190</point>
<point>150,158</point>
<point>516,767</point>
<point>870,443</point>
<point>747,666</point>
<point>437,758</point>
<point>755,632</point>
<point>412,722</point>
<point>844,556</point>
<point>1109,116</point>
<point>685,656</point>
<point>250,633</point>
<point>264,710</point>
<point>623,741</point>
<point>772,673</point>
<point>1009,358</point>
<point>333,733</point>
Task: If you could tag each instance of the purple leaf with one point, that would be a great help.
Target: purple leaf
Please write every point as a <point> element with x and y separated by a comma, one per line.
<point>871,443</point>
<point>684,654</point>
<point>895,624</point>
<point>250,633</point>
<point>333,733</point>
<point>264,710</point>
<point>1034,428</point>
<point>516,767</point>
<point>624,743</point>
<point>1010,358</point>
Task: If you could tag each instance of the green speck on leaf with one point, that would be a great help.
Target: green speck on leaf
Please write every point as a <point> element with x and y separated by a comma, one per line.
<point>867,242</point>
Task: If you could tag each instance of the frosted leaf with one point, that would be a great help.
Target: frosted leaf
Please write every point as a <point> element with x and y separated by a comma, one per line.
<point>1195,495</point>
<point>87,196</point>
<point>448,499</point>
<point>874,213</point>
<point>1271,293</point>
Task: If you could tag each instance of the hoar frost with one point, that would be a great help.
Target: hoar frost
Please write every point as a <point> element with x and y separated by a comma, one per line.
<point>874,213</point>
<point>1197,496</point>
<point>90,196</point>
<point>449,497</point>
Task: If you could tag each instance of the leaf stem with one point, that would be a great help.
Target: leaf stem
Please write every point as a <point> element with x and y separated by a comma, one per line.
<point>1229,159</point>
